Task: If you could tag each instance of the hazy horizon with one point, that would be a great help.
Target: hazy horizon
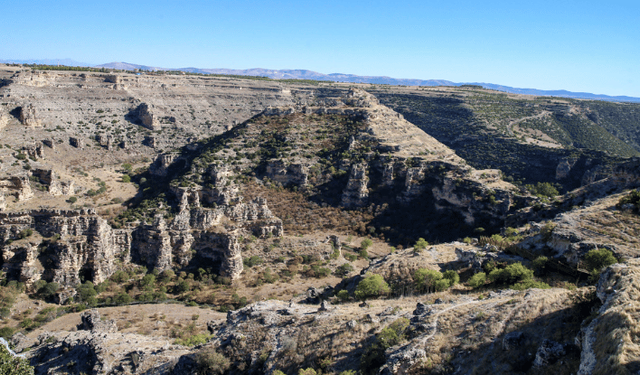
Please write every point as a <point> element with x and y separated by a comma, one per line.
<point>583,46</point>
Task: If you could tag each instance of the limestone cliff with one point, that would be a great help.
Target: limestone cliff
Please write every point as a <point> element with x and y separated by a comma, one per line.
<point>68,247</point>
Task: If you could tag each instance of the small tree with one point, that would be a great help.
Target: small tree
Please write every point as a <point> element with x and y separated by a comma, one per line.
<point>365,244</point>
<point>87,293</point>
<point>213,363</point>
<point>477,280</point>
<point>452,276</point>
<point>540,264</point>
<point>343,295</point>
<point>126,167</point>
<point>148,281</point>
<point>511,274</point>
<point>49,290</point>
<point>598,259</point>
<point>13,365</point>
<point>420,245</point>
<point>426,279</point>
<point>371,286</point>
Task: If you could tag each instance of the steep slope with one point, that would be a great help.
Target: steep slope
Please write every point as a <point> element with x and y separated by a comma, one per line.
<point>347,152</point>
<point>515,133</point>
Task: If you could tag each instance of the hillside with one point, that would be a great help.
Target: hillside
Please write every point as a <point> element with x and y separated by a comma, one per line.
<point>564,139</point>
<point>172,224</point>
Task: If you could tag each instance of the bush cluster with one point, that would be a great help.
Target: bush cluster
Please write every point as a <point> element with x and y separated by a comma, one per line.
<point>516,275</point>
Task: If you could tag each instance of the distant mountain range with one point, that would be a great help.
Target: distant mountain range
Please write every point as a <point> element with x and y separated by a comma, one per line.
<point>335,77</point>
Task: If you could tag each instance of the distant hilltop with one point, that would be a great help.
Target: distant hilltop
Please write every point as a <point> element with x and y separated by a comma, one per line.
<point>335,77</point>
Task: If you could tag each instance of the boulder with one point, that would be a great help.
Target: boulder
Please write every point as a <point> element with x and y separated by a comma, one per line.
<point>548,353</point>
<point>91,322</point>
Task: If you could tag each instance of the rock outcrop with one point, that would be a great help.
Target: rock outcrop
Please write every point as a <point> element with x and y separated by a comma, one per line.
<point>4,117</point>
<point>35,151</point>
<point>77,142</point>
<point>71,246</point>
<point>28,116</point>
<point>148,118</point>
<point>287,174</point>
<point>18,186</point>
<point>356,193</point>
<point>608,342</point>
<point>564,167</point>
<point>56,187</point>
<point>98,348</point>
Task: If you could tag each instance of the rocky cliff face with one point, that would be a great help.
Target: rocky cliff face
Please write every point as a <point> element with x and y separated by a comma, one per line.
<point>185,106</point>
<point>66,247</point>
<point>70,247</point>
<point>356,193</point>
<point>607,342</point>
<point>28,116</point>
<point>287,174</point>
<point>148,117</point>
<point>385,153</point>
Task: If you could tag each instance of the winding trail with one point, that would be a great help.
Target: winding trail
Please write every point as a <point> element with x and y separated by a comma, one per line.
<point>514,122</point>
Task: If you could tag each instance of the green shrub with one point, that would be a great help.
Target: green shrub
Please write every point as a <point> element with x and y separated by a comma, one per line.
<point>351,257</point>
<point>420,245</point>
<point>511,274</point>
<point>13,365</point>
<point>167,275</point>
<point>452,276</point>
<point>48,290</point>
<point>543,190</point>
<point>343,295</point>
<point>442,284</point>
<point>365,244</point>
<point>126,178</point>
<point>373,356</point>
<point>597,259</point>
<point>6,332</point>
<point>540,265</point>
<point>194,340</point>
<point>182,286</point>
<point>213,363</point>
<point>148,281</point>
<point>633,198</point>
<point>363,254</point>
<point>344,269</point>
<point>25,233</point>
<point>122,299</point>
<point>86,293</point>
<point>252,261</point>
<point>269,276</point>
<point>120,277</point>
<point>371,286</point>
<point>477,280</point>
<point>307,371</point>
<point>527,284</point>
<point>427,280</point>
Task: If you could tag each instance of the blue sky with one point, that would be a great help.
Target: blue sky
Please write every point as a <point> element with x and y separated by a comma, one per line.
<point>591,46</point>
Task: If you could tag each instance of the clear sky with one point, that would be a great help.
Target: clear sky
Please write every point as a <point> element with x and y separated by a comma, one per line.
<point>591,46</point>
